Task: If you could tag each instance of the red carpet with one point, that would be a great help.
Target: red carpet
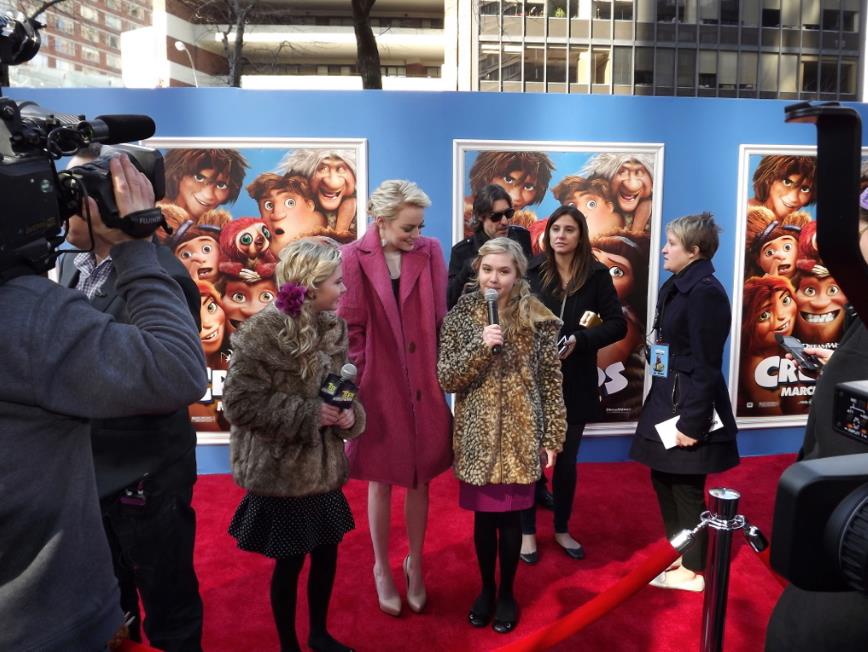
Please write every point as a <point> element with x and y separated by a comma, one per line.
<point>616,518</point>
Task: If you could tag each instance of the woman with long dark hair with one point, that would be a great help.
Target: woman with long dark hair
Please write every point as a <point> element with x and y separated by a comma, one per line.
<point>579,290</point>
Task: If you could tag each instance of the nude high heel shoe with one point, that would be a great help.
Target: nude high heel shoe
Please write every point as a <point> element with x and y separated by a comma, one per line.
<point>390,605</point>
<point>415,602</point>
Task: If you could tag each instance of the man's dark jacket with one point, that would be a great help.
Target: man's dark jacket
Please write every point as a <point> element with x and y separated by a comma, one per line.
<point>464,253</point>
<point>127,449</point>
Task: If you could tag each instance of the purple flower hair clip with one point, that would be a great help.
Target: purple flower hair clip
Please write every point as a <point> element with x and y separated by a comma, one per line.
<point>290,298</point>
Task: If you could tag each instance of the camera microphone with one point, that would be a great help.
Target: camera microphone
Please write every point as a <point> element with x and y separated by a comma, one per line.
<point>491,299</point>
<point>117,129</point>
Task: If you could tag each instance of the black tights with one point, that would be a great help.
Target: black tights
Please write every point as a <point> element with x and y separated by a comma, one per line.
<point>563,483</point>
<point>486,527</point>
<point>284,587</point>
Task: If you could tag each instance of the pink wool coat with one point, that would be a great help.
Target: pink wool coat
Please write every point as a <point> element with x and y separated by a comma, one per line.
<point>408,439</point>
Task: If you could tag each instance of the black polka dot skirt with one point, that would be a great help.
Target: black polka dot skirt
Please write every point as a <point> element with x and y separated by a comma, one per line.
<point>283,527</point>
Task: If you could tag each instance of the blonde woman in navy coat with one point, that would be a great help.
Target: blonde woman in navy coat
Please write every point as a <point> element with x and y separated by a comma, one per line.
<point>693,320</point>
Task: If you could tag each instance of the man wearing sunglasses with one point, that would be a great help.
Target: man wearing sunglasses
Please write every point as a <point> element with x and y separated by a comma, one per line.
<point>492,217</point>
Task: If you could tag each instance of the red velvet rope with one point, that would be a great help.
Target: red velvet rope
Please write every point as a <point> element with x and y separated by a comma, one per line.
<point>662,555</point>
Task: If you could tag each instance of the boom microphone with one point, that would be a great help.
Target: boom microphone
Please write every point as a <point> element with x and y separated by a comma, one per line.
<point>491,299</point>
<point>117,129</point>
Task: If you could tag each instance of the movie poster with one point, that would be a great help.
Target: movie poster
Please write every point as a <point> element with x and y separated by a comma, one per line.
<point>785,287</point>
<point>233,205</point>
<point>618,189</point>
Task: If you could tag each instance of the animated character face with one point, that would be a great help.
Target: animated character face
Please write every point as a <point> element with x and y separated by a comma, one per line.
<point>631,184</point>
<point>522,187</point>
<point>331,182</point>
<point>402,232</point>
<point>330,291</point>
<point>821,310</point>
<point>621,271</point>
<point>500,228</point>
<point>498,272</point>
<point>199,193</point>
<point>288,216</point>
<point>789,194</point>
<point>243,300</point>
<point>253,240</point>
<point>200,256</point>
<point>213,325</point>
<point>599,213</point>
<point>778,256</point>
<point>777,316</point>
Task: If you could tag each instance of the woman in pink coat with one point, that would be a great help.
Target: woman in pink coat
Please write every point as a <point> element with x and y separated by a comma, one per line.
<point>395,302</point>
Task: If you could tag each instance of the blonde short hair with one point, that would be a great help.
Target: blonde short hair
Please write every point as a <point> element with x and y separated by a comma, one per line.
<point>697,231</point>
<point>393,195</point>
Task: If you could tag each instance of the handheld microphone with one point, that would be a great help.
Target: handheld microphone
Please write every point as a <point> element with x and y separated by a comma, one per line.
<point>117,129</point>
<point>340,391</point>
<point>491,299</point>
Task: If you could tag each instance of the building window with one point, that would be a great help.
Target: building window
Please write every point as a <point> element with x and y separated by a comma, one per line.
<point>115,5</point>
<point>771,17</point>
<point>136,12</point>
<point>533,64</point>
<point>622,68</point>
<point>643,74</point>
<point>670,11</point>
<point>687,68</point>
<point>847,80</point>
<point>556,65</point>
<point>114,23</point>
<point>664,68</point>
<point>113,41</point>
<point>62,46</point>
<point>66,25</point>
<point>623,10</point>
<point>602,10</point>
<point>489,63</point>
<point>709,12</point>
<point>89,13</point>
<point>727,73</point>
<point>602,67</point>
<point>89,54</point>
<point>707,69</point>
<point>747,70</point>
<point>729,12</point>
<point>511,63</point>
<point>831,20</point>
<point>489,8</point>
<point>90,33</point>
<point>513,7</point>
<point>113,61</point>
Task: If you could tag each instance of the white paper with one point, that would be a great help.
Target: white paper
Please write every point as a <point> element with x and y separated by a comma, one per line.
<point>669,433</point>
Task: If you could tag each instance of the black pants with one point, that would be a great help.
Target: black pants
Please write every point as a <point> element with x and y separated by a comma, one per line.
<point>563,483</point>
<point>682,500</point>
<point>152,551</point>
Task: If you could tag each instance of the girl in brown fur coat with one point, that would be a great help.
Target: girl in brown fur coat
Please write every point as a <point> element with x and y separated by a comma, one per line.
<point>508,404</point>
<point>286,443</point>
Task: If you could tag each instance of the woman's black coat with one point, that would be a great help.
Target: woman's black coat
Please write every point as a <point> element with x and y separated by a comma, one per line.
<point>694,320</point>
<point>581,393</point>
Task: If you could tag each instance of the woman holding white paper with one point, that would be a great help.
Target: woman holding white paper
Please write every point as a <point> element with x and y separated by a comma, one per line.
<point>691,325</point>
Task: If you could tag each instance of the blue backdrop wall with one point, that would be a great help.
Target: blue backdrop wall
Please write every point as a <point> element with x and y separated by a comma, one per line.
<point>410,135</point>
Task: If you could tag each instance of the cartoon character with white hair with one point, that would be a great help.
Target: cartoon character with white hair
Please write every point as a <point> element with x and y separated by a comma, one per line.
<point>332,177</point>
<point>631,178</point>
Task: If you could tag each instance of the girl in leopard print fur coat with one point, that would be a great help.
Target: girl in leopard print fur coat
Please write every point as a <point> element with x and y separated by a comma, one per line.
<point>508,404</point>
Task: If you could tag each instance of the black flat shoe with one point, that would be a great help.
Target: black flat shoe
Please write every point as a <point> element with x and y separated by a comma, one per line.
<point>574,553</point>
<point>505,616</point>
<point>530,557</point>
<point>481,612</point>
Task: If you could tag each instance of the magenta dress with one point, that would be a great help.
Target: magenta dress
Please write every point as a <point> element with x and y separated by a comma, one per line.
<point>495,497</point>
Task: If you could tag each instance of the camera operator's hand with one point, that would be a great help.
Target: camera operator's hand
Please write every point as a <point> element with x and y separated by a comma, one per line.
<point>133,192</point>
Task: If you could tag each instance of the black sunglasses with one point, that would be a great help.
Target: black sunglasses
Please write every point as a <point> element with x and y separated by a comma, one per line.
<point>496,217</point>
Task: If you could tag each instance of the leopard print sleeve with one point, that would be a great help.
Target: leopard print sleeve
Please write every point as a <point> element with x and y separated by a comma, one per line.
<point>550,382</point>
<point>463,356</point>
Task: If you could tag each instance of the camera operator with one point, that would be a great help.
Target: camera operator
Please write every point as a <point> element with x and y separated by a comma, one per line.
<point>65,363</point>
<point>816,621</point>
<point>145,465</point>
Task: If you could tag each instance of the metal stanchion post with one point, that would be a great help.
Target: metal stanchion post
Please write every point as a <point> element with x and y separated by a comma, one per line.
<point>722,519</point>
